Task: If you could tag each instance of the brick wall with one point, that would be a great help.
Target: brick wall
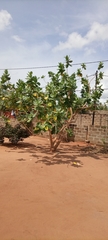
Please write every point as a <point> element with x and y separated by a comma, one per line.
<point>84,130</point>
<point>13,121</point>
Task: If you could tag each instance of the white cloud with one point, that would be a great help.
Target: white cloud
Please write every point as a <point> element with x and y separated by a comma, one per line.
<point>5,19</point>
<point>98,32</point>
<point>74,41</point>
<point>17,38</point>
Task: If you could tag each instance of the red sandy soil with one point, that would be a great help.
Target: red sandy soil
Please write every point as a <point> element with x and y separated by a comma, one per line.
<point>53,196</point>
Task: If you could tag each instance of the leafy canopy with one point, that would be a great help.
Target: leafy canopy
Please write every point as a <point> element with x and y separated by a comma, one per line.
<point>54,106</point>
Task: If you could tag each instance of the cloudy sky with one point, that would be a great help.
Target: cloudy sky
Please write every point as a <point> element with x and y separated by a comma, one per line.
<point>39,33</point>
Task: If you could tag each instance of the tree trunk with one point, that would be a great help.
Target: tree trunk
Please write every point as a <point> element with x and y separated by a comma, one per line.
<point>51,141</point>
<point>56,144</point>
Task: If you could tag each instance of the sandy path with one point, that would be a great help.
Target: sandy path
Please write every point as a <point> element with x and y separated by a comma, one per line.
<point>43,197</point>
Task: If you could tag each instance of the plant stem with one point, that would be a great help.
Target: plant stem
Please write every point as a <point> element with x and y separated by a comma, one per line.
<point>50,138</point>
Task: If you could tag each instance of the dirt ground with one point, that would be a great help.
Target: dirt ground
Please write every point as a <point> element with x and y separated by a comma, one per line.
<point>53,196</point>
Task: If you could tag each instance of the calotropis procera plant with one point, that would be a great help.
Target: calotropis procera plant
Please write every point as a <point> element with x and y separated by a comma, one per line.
<point>55,107</point>
<point>61,102</point>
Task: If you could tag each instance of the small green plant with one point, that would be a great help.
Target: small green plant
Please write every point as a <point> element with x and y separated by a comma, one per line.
<point>104,142</point>
<point>105,146</point>
<point>70,132</point>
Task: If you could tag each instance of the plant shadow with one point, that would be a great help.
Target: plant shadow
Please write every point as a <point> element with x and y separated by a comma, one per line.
<point>65,154</point>
<point>61,160</point>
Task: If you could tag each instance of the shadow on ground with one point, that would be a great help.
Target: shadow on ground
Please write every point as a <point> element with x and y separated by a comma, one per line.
<point>65,154</point>
<point>61,160</point>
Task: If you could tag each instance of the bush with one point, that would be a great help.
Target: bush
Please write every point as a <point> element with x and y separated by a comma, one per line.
<point>14,134</point>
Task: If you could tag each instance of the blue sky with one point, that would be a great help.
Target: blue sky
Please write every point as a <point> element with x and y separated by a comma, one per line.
<point>41,32</point>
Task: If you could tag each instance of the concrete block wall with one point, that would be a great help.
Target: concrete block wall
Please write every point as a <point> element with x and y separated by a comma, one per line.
<point>97,133</point>
<point>101,119</point>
